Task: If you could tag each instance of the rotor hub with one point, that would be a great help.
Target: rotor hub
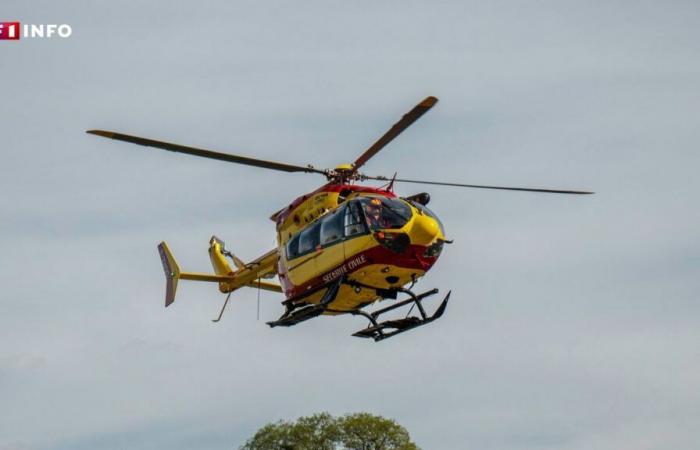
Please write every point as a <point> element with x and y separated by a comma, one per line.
<point>342,173</point>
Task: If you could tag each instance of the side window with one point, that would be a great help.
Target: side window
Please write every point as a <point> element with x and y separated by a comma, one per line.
<point>293,247</point>
<point>309,238</point>
<point>332,227</point>
<point>354,220</point>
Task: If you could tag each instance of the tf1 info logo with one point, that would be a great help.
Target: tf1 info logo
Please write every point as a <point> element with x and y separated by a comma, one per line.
<point>12,31</point>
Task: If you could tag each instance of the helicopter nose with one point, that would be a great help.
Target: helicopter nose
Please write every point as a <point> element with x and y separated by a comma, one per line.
<point>424,231</point>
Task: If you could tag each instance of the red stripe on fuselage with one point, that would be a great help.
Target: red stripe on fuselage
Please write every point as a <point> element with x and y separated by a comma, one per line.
<point>413,258</point>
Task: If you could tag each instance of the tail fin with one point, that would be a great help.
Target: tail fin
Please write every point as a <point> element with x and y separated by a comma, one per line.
<point>172,272</point>
<point>228,279</point>
<point>217,255</point>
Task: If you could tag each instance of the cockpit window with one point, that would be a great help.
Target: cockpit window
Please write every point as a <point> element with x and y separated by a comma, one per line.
<point>309,238</point>
<point>354,220</point>
<point>344,223</point>
<point>385,213</point>
<point>332,226</point>
<point>293,247</point>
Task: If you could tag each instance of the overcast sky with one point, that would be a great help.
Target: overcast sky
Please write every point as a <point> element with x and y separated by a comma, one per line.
<point>573,322</point>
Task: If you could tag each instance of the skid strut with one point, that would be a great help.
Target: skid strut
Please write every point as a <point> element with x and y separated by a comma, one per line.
<point>382,330</point>
<point>296,314</point>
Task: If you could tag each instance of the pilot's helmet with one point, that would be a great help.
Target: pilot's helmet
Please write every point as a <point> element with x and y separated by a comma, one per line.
<point>374,207</point>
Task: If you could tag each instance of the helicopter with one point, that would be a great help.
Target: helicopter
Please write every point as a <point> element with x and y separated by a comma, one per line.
<point>341,248</point>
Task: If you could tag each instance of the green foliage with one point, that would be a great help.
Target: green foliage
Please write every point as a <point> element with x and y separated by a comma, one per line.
<point>317,432</point>
<point>359,431</point>
<point>364,431</point>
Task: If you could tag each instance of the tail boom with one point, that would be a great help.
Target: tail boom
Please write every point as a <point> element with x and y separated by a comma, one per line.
<point>248,274</point>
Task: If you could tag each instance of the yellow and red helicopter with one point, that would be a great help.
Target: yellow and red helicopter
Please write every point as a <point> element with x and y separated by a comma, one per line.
<point>340,248</point>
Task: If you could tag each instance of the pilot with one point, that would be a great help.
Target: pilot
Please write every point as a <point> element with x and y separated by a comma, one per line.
<point>373,212</point>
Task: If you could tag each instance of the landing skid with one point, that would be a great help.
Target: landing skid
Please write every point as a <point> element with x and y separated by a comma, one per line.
<point>298,311</point>
<point>383,330</point>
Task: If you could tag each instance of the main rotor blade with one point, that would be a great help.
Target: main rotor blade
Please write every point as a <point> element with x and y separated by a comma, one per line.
<point>504,188</point>
<point>205,153</point>
<point>394,131</point>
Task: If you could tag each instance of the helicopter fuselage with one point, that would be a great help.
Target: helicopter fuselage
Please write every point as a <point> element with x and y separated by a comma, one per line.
<point>370,237</point>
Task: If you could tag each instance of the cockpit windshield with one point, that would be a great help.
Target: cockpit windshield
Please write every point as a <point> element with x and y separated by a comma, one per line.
<point>385,213</point>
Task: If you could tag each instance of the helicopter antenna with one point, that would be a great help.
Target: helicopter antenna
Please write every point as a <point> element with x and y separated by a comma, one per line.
<point>391,183</point>
<point>221,313</point>
<point>257,317</point>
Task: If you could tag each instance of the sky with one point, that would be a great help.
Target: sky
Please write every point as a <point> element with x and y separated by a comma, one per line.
<point>573,321</point>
